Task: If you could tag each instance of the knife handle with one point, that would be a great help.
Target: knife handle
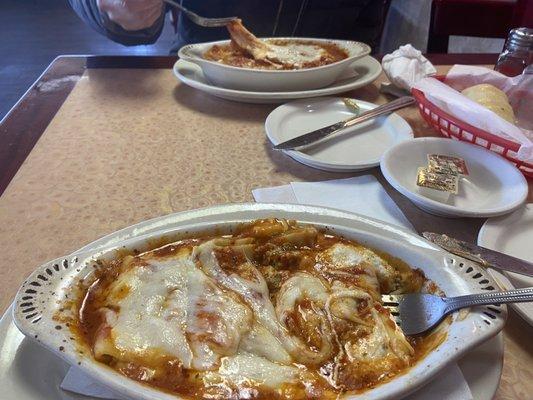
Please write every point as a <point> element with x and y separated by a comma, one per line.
<point>394,105</point>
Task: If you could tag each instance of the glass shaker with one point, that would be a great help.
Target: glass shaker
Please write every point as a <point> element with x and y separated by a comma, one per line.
<point>517,53</point>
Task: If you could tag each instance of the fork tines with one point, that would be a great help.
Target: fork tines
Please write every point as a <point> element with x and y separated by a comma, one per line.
<point>392,303</point>
<point>216,22</point>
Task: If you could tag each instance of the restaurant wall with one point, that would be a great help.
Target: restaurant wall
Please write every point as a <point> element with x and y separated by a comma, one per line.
<point>408,22</point>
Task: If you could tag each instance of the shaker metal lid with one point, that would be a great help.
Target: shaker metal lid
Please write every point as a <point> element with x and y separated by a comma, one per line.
<point>521,38</point>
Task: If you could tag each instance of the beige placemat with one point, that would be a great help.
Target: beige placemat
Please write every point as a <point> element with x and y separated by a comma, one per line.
<point>128,145</point>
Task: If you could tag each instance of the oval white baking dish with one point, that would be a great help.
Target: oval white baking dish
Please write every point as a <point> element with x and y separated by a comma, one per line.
<point>231,77</point>
<point>43,293</point>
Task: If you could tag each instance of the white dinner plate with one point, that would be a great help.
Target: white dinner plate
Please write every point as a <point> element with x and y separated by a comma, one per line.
<point>361,73</point>
<point>493,187</point>
<point>513,235</point>
<point>357,148</point>
<point>30,372</point>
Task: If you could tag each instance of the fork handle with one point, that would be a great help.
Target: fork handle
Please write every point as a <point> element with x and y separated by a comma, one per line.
<point>180,7</point>
<point>511,296</point>
<point>383,109</point>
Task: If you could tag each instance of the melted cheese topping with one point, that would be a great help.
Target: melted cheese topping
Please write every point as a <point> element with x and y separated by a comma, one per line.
<point>244,367</point>
<point>278,54</point>
<point>273,54</point>
<point>172,309</point>
<point>276,311</point>
<point>295,54</point>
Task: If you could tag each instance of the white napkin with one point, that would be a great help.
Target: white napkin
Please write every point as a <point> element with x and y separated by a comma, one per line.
<point>406,66</point>
<point>363,195</point>
<point>77,381</point>
<point>519,89</point>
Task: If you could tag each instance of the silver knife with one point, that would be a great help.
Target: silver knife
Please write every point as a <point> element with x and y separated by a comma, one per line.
<point>481,255</point>
<point>322,133</point>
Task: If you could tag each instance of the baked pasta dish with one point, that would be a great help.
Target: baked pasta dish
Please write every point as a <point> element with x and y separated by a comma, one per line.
<point>247,51</point>
<point>275,310</point>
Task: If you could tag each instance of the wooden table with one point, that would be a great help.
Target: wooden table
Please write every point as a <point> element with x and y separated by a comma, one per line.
<point>99,143</point>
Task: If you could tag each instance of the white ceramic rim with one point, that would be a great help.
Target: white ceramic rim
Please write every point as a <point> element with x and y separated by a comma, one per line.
<point>347,45</point>
<point>395,122</point>
<point>445,209</point>
<point>463,335</point>
<point>485,238</point>
<point>354,83</point>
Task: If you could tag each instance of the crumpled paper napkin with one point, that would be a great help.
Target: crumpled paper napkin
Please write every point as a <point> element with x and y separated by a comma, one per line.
<point>406,66</point>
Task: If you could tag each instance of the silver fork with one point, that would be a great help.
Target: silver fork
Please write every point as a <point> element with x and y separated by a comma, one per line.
<point>417,313</point>
<point>202,21</point>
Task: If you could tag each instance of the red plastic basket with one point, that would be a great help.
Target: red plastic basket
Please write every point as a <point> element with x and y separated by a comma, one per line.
<point>453,128</point>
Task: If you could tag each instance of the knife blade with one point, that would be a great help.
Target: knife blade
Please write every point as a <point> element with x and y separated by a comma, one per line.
<point>481,255</point>
<point>322,133</point>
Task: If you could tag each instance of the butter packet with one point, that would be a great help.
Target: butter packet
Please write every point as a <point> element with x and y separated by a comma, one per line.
<point>443,164</point>
<point>438,181</point>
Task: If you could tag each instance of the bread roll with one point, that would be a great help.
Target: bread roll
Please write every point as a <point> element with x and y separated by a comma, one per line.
<point>491,97</point>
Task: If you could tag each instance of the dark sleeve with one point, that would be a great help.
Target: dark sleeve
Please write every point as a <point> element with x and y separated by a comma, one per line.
<point>88,11</point>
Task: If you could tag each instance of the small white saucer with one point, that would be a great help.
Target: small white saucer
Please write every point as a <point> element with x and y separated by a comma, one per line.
<point>493,187</point>
<point>513,235</point>
<point>361,73</point>
<point>355,149</point>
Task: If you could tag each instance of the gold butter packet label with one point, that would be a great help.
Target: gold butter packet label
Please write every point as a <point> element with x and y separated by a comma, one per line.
<point>447,164</point>
<point>434,180</point>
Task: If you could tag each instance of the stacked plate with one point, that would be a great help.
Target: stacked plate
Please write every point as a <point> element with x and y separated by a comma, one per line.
<point>512,234</point>
<point>258,85</point>
<point>355,149</point>
<point>361,73</point>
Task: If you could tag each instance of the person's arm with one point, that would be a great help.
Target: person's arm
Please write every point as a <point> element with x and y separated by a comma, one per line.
<point>130,23</point>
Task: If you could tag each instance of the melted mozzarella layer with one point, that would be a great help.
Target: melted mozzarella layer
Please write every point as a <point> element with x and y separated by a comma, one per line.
<point>209,307</point>
<point>242,368</point>
<point>173,309</point>
<point>294,53</point>
<point>376,273</point>
<point>251,286</point>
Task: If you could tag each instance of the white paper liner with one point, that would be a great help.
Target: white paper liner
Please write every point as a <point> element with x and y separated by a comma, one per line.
<point>519,89</point>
